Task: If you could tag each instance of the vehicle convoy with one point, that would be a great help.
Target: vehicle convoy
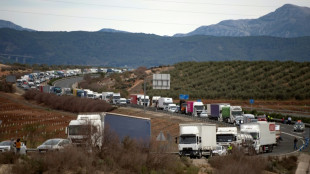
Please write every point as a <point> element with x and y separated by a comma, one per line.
<point>197,139</point>
<point>226,136</point>
<point>194,108</point>
<point>235,114</point>
<point>88,128</point>
<point>220,111</point>
<point>163,103</point>
<point>263,133</point>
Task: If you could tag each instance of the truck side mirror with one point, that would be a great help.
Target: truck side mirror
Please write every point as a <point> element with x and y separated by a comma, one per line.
<point>176,140</point>
<point>199,139</point>
<point>66,130</point>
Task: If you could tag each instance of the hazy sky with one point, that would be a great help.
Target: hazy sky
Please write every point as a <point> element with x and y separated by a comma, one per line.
<point>161,17</point>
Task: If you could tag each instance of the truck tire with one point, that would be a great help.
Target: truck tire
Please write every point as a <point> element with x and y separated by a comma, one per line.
<point>199,154</point>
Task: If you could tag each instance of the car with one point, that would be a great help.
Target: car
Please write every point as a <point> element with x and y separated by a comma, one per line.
<point>219,151</point>
<point>53,145</point>
<point>204,114</point>
<point>122,101</point>
<point>5,146</point>
<point>299,126</point>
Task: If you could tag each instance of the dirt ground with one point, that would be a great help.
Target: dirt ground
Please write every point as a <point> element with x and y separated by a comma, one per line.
<point>29,121</point>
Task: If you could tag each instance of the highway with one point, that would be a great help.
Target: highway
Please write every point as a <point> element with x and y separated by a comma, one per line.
<point>68,82</point>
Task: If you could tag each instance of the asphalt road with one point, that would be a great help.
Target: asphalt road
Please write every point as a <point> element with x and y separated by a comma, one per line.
<point>67,82</point>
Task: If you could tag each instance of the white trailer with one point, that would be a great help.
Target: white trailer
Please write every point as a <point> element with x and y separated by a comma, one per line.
<point>197,139</point>
<point>163,103</point>
<point>263,133</point>
<point>226,136</point>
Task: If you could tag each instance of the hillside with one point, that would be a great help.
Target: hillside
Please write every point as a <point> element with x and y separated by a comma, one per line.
<point>287,21</point>
<point>239,80</point>
<point>136,49</point>
<point>8,24</point>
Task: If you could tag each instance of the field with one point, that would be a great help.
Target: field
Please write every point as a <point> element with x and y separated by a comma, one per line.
<point>30,122</point>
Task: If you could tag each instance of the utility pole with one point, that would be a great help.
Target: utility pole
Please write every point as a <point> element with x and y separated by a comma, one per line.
<point>144,94</point>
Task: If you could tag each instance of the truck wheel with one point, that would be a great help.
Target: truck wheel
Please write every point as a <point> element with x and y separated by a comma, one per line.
<point>199,155</point>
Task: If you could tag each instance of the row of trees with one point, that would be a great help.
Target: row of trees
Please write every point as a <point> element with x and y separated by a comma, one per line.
<point>239,80</point>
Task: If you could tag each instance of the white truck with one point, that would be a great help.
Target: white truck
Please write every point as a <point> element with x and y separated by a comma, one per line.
<point>90,94</point>
<point>143,100</point>
<point>115,98</point>
<point>197,139</point>
<point>235,114</point>
<point>155,100</point>
<point>163,103</point>
<point>263,133</point>
<point>226,136</point>
<point>87,129</point>
<point>107,96</point>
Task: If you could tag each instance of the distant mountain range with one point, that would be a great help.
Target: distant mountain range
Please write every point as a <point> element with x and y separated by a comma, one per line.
<point>8,24</point>
<point>287,21</point>
<point>136,49</point>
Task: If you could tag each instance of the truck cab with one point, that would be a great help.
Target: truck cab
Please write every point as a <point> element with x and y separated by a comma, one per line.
<point>116,98</point>
<point>226,136</point>
<point>235,112</point>
<point>172,108</point>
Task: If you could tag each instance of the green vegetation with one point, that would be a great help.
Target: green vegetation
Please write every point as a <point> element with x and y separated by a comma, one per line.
<point>239,80</point>
<point>136,49</point>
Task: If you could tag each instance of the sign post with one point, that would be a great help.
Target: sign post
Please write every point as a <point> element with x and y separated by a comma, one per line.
<point>251,102</point>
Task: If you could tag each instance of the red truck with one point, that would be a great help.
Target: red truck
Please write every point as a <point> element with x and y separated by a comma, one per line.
<point>134,98</point>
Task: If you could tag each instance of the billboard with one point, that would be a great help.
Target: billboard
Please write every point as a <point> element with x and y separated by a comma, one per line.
<point>161,81</point>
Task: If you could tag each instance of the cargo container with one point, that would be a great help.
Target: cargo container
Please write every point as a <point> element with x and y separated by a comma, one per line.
<point>197,139</point>
<point>134,99</point>
<point>220,111</point>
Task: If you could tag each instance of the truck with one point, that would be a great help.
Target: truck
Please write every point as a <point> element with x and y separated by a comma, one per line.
<point>220,111</point>
<point>235,114</point>
<point>263,133</point>
<point>197,139</point>
<point>56,90</point>
<point>115,98</point>
<point>88,94</point>
<point>226,136</point>
<point>183,106</point>
<point>163,103</point>
<point>134,99</point>
<point>155,100</point>
<point>194,108</point>
<point>107,96</point>
<point>143,100</point>
<point>89,128</point>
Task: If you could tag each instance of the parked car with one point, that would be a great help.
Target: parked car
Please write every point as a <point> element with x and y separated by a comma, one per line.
<point>53,144</point>
<point>5,146</point>
<point>299,126</point>
<point>220,151</point>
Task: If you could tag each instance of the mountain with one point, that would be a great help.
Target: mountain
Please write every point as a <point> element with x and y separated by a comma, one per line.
<point>8,24</point>
<point>136,49</point>
<point>287,21</point>
<point>112,30</point>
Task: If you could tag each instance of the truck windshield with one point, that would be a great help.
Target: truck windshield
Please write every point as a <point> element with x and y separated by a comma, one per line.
<point>167,103</point>
<point>235,113</point>
<point>188,139</point>
<point>254,135</point>
<point>199,108</point>
<point>78,130</point>
<point>224,138</point>
<point>90,95</point>
<point>145,100</point>
<point>116,97</point>
<point>57,90</point>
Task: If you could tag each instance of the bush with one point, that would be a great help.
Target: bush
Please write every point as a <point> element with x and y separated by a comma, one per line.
<point>68,103</point>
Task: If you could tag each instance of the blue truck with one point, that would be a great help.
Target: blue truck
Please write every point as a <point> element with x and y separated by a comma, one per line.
<point>122,126</point>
